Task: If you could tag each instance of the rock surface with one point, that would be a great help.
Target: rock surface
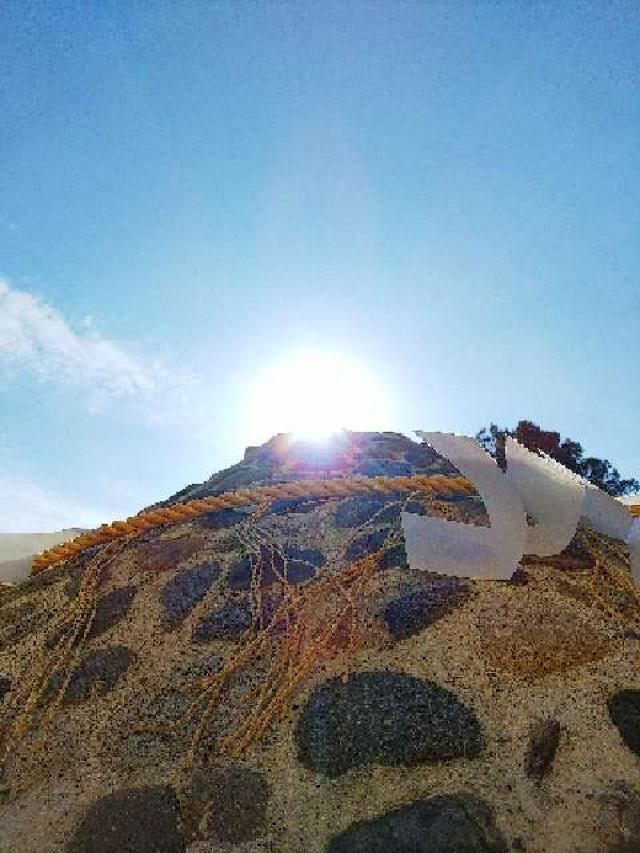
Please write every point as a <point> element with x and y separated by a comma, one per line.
<point>96,675</point>
<point>415,609</point>
<point>111,609</point>
<point>226,803</point>
<point>416,722</point>
<point>228,622</point>
<point>165,554</point>
<point>541,751</point>
<point>454,824</point>
<point>530,636</point>
<point>181,594</point>
<point>145,820</point>
<point>384,718</point>
<point>624,708</point>
<point>5,686</point>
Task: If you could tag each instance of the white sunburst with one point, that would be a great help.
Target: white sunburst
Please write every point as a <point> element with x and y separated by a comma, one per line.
<point>313,394</point>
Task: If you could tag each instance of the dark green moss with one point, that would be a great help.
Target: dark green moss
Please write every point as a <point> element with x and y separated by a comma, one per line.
<point>416,609</point>
<point>186,589</point>
<point>139,820</point>
<point>228,622</point>
<point>624,709</point>
<point>384,718</point>
<point>445,824</point>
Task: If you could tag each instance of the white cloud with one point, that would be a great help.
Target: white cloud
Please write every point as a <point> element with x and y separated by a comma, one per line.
<point>36,337</point>
<point>28,508</point>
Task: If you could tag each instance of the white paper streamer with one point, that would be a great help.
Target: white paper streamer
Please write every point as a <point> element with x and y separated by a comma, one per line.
<point>551,494</point>
<point>633,541</point>
<point>437,545</point>
<point>630,500</point>
<point>449,548</point>
<point>607,514</point>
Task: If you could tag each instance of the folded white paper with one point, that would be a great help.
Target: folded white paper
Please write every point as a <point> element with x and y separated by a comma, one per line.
<point>633,541</point>
<point>551,494</point>
<point>438,545</point>
<point>452,548</point>
<point>607,515</point>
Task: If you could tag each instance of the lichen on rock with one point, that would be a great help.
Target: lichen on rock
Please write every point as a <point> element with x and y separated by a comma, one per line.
<point>386,718</point>
<point>624,709</point>
<point>141,820</point>
<point>181,594</point>
<point>97,674</point>
<point>457,823</point>
<point>279,679</point>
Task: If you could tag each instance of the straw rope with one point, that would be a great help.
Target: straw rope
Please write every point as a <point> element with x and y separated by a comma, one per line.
<point>58,652</point>
<point>439,484</point>
<point>305,628</point>
<point>297,635</point>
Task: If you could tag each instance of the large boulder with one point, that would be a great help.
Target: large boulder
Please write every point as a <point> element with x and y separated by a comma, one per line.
<point>249,681</point>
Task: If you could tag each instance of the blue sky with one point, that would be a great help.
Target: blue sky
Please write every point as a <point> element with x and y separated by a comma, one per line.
<point>447,192</point>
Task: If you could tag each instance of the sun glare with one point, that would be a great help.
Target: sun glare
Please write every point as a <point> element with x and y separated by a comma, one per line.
<point>315,394</point>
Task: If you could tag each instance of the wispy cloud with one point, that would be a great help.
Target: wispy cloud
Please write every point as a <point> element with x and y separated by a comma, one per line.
<point>26,507</point>
<point>36,337</point>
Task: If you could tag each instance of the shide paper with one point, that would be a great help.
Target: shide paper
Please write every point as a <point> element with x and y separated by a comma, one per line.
<point>453,548</point>
<point>534,486</point>
<point>552,496</point>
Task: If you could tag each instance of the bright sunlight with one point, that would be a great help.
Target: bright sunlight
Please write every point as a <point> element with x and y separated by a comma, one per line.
<point>313,394</point>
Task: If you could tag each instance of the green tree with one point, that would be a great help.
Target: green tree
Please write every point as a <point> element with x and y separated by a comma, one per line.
<point>568,452</point>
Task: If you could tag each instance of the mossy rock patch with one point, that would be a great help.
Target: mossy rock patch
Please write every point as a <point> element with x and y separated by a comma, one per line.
<point>96,675</point>
<point>111,609</point>
<point>394,558</point>
<point>286,506</point>
<point>624,709</point>
<point>228,622</point>
<point>415,609</point>
<point>5,686</point>
<point>541,750</point>
<point>366,544</point>
<point>384,468</point>
<point>239,576</point>
<point>19,621</point>
<point>386,718</point>
<point>301,565</point>
<point>163,555</point>
<point>220,519</point>
<point>226,803</point>
<point>181,594</point>
<point>445,824</point>
<point>359,509</point>
<point>134,820</point>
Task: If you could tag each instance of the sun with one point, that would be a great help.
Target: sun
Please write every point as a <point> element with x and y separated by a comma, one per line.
<point>314,394</point>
